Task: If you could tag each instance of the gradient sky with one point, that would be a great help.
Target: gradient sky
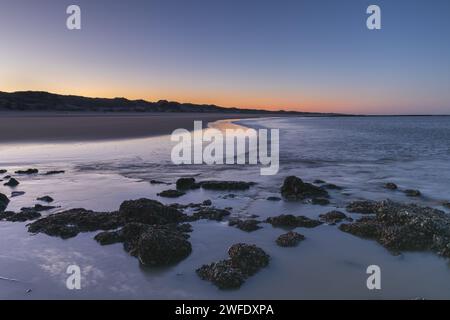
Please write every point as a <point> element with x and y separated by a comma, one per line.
<point>311,55</point>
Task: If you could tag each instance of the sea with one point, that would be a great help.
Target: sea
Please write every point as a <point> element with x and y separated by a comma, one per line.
<point>359,154</point>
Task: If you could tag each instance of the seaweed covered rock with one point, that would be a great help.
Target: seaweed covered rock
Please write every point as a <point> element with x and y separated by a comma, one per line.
<point>291,221</point>
<point>363,207</point>
<point>28,171</point>
<point>248,258</point>
<point>226,185</point>
<point>211,214</point>
<point>162,246</point>
<point>186,184</point>
<point>290,239</point>
<point>222,274</point>
<point>4,201</point>
<point>53,172</point>
<point>390,186</point>
<point>38,207</point>
<point>245,225</point>
<point>405,227</point>
<point>333,217</point>
<point>295,189</point>
<point>153,245</point>
<point>149,212</point>
<point>70,223</point>
<point>245,260</point>
<point>413,193</point>
<point>171,194</point>
<point>20,216</point>
<point>47,199</point>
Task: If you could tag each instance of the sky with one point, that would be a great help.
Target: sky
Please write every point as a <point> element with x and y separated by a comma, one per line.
<point>305,55</point>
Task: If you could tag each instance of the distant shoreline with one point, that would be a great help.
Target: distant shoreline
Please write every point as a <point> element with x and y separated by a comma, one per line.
<point>50,127</point>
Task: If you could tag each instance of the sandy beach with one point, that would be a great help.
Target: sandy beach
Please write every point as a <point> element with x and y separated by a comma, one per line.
<point>60,127</point>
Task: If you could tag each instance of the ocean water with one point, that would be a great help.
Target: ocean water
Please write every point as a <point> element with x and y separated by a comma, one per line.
<point>359,154</point>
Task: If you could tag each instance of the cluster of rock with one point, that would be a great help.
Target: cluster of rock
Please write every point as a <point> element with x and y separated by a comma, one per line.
<point>402,227</point>
<point>409,192</point>
<point>185,184</point>
<point>19,216</point>
<point>148,229</point>
<point>245,260</point>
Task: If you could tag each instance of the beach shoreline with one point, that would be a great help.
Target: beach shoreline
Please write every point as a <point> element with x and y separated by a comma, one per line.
<point>82,127</point>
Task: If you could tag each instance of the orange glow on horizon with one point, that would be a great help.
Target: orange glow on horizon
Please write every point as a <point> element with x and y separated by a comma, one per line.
<point>251,100</point>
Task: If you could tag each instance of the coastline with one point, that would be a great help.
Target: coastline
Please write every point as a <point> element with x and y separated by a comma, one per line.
<point>63,127</point>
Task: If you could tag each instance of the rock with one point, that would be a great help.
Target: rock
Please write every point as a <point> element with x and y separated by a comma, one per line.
<point>53,172</point>
<point>274,199</point>
<point>363,207</point>
<point>161,247</point>
<point>290,239</point>
<point>222,274</point>
<point>320,201</point>
<point>446,204</point>
<point>38,207</point>
<point>226,185</point>
<point>248,258</point>
<point>186,184</point>
<point>290,221</point>
<point>17,194</point>
<point>391,186</point>
<point>207,203</point>
<point>108,238</point>
<point>4,201</point>
<point>245,225</point>
<point>69,223</point>
<point>45,199</point>
<point>295,189</point>
<point>333,217</point>
<point>28,171</point>
<point>150,212</point>
<point>20,216</point>
<point>157,182</point>
<point>332,186</point>
<point>152,245</point>
<point>405,227</point>
<point>412,193</point>
<point>245,260</point>
<point>3,171</point>
<point>211,214</point>
<point>318,181</point>
<point>171,194</point>
<point>11,183</point>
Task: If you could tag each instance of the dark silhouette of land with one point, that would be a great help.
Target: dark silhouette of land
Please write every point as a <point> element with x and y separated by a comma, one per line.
<point>33,101</point>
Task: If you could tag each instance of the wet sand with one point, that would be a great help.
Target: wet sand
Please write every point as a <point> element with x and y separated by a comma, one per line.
<point>60,127</point>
